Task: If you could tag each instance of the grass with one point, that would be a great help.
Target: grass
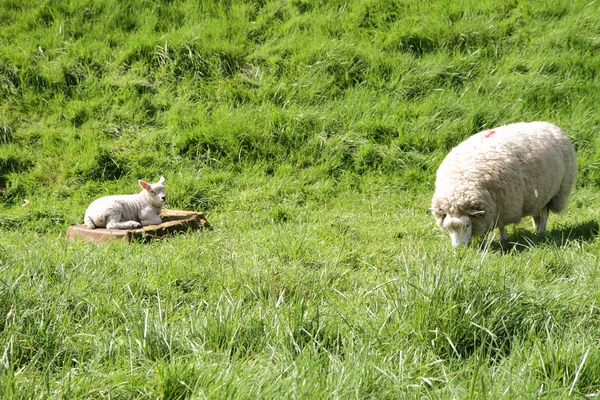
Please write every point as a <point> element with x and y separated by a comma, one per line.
<point>309,133</point>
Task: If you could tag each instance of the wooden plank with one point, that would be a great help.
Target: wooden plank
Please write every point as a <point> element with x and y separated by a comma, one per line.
<point>174,221</point>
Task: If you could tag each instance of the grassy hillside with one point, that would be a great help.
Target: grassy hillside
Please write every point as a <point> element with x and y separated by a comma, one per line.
<point>309,132</point>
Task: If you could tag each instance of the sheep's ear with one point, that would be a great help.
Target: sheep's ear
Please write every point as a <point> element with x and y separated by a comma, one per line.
<point>472,212</point>
<point>161,180</point>
<point>437,210</point>
<point>144,184</point>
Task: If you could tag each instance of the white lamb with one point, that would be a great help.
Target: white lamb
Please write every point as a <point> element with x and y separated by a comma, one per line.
<point>496,177</point>
<point>128,211</point>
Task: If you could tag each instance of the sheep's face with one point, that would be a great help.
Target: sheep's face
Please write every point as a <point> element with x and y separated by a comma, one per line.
<point>458,226</point>
<point>155,192</point>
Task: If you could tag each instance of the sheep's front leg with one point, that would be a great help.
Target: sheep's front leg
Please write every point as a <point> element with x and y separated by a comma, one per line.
<point>540,221</point>
<point>150,218</point>
<point>112,222</point>
<point>152,221</point>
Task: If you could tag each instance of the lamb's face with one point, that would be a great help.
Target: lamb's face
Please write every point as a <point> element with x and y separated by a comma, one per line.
<point>458,226</point>
<point>155,192</point>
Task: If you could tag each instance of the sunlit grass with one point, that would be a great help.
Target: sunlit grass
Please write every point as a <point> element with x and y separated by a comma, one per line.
<point>309,133</point>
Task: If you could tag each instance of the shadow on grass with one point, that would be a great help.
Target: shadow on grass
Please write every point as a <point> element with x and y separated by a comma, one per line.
<point>524,239</point>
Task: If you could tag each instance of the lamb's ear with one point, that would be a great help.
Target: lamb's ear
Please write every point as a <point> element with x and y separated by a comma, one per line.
<point>144,184</point>
<point>161,180</point>
<point>437,210</point>
<point>472,212</point>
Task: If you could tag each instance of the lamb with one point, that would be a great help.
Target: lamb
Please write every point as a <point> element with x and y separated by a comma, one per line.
<point>129,211</point>
<point>498,176</point>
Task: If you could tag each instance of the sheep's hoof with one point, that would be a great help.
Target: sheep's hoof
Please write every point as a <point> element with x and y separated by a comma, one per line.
<point>136,225</point>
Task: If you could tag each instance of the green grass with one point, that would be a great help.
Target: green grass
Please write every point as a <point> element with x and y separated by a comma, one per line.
<point>309,133</point>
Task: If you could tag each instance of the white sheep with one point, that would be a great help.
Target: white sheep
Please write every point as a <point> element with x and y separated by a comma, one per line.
<point>128,211</point>
<point>498,176</point>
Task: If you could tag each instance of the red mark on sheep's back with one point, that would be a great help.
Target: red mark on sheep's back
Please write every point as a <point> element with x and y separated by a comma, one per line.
<point>490,133</point>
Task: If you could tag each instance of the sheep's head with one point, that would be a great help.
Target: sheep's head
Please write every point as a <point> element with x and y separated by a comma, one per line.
<point>458,226</point>
<point>155,192</point>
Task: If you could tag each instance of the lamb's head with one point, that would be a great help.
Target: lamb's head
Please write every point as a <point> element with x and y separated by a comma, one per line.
<point>155,192</point>
<point>459,226</point>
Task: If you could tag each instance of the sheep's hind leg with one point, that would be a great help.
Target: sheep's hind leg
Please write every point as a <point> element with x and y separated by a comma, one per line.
<point>113,223</point>
<point>503,235</point>
<point>89,222</point>
<point>540,221</point>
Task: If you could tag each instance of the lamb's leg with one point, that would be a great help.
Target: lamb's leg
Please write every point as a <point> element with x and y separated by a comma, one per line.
<point>89,222</point>
<point>152,220</point>
<point>148,216</point>
<point>113,223</point>
<point>539,221</point>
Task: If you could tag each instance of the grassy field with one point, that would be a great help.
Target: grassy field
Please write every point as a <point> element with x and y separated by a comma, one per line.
<point>309,133</point>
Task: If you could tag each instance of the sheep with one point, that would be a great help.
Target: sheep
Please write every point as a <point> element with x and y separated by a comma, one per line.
<point>498,176</point>
<point>129,211</point>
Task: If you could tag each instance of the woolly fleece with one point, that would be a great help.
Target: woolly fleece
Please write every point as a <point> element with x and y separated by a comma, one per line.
<point>128,211</point>
<point>508,172</point>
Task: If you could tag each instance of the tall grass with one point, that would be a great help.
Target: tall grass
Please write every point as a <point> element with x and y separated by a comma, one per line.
<point>309,132</point>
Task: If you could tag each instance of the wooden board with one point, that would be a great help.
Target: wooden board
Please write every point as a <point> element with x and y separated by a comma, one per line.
<point>173,221</point>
